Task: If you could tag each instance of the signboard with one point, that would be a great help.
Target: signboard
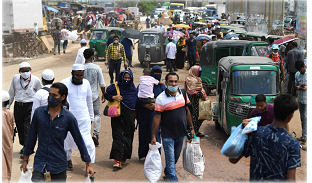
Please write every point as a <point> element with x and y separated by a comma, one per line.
<point>301,24</point>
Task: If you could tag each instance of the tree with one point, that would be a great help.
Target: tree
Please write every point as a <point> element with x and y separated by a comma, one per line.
<point>147,6</point>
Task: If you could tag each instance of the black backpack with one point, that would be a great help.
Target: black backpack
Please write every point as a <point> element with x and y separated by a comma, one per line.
<point>190,106</point>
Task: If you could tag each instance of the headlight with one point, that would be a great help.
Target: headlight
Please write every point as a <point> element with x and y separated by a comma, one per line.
<point>239,110</point>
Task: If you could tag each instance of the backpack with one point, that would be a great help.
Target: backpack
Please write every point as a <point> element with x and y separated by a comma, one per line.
<point>65,104</point>
<point>184,96</point>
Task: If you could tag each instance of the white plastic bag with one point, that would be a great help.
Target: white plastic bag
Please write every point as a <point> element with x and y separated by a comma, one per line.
<point>26,177</point>
<point>72,36</point>
<point>152,164</point>
<point>252,125</point>
<point>88,180</point>
<point>193,157</point>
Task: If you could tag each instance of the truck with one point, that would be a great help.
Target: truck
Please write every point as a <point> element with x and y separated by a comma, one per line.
<point>135,10</point>
<point>215,9</point>
<point>20,16</point>
<point>175,6</point>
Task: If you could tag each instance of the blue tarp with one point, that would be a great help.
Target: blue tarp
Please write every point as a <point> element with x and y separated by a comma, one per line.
<point>51,9</point>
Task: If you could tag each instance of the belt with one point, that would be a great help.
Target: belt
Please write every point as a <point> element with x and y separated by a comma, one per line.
<point>22,103</point>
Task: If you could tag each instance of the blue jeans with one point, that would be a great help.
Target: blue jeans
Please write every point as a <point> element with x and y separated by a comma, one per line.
<point>172,149</point>
<point>114,65</point>
<point>303,117</point>
<point>65,44</point>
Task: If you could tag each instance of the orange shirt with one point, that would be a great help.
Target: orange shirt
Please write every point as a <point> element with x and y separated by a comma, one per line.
<point>276,58</point>
<point>120,17</point>
<point>163,15</point>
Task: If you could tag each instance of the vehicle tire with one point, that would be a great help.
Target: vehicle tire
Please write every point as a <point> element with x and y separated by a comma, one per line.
<point>217,125</point>
<point>141,63</point>
<point>206,88</point>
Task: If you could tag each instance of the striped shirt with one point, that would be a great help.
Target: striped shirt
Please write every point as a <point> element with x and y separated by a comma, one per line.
<point>115,52</point>
<point>299,80</point>
<point>173,116</point>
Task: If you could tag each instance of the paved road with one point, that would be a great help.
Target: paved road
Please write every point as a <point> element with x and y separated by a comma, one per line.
<point>217,167</point>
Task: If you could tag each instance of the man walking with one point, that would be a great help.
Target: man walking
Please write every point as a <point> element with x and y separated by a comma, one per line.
<point>36,29</point>
<point>81,106</point>
<point>23,88</point>
<point>128,45</point>
<point>170,56</point>
<point>80,58</point>
<point>50,125</point>
<point>173,116</point>
<point>115,52</point>
<point>93,73</point>
<point>57,40</point>
<point>277,59</point>
<point>41,96</point>
<point>292,56</point>
<point>64,33</point>
<point>191,50</point>
<point>301,86</point>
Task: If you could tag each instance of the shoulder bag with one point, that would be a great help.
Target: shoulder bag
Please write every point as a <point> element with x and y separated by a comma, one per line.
<point>112,109</point>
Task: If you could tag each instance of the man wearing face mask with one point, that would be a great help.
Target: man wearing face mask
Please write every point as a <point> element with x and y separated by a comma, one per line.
<point>23,88</point>
<point>80,58</point>
<point>191,50</point>
<point>173,115</point>
<point>81,106</point>
<point>114,53</point>
<point>50,125</point>
<point>93,73</point>
<point>278,59</point>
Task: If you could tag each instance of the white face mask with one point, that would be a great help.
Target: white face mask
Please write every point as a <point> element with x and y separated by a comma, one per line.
<point>25,75</point>
<point>116,41</point>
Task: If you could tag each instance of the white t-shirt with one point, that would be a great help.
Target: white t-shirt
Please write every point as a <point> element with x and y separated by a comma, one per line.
<point>146,86</point>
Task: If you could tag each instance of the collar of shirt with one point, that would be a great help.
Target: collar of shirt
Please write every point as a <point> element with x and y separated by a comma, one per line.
<point>58,115</point>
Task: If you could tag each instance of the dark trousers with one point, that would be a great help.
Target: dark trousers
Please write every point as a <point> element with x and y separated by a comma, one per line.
<point>291,89</point>
<point>191,59</point>
<point>22,113</point>
<point>114,65</point>
<point>170,64</point>
<point>39,177</point>
<point>65,44</point>
<point>130,60</point>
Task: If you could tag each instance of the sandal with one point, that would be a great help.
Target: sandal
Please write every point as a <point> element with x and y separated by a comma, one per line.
<point>70,165</point>
<point>117,165</point>
<point>302,139</point>
<point>200,134</point>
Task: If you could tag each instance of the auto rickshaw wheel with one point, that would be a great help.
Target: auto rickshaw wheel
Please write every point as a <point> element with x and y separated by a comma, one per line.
<point>217,125</point>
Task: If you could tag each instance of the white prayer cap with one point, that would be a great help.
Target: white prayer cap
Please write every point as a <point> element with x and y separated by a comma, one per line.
<point>78,67</point>
<point>83,41</point>
<point>24,64</point>
<point>5,96</point>
<point>48,74</point>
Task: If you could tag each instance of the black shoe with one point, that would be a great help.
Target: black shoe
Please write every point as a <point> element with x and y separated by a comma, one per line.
<point>166,178</point>
<point>175,69</point>
<point>95,139</point>
<point>63,51</point>
<point>131,66</point>
<point>22,150</point>
<point>69,165</point>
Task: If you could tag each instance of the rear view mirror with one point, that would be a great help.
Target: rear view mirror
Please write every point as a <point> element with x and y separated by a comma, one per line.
<point>226,75</point>
<point>223,85</point>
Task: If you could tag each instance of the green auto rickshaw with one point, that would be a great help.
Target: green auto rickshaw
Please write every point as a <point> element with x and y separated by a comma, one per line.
<point>99,37</point>
<point>213,51</point>
<point>256,35</point>
<point>239,80</point>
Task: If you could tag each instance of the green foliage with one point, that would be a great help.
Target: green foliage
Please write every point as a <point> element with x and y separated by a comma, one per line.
<point>147,6</point>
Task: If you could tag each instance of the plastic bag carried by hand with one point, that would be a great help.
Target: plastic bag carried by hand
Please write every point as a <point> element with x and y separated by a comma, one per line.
<point>25,177</point>
<point>88,180</point>
<point>234,145</point>
<point>252,125</point>
<point>152,164</point>
<point>193,157</point>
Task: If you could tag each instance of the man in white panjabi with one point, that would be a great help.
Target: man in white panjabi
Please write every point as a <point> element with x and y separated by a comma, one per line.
<point>81,106</point>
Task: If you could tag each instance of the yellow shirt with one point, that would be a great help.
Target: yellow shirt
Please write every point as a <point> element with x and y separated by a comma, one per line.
<point>115,52</point>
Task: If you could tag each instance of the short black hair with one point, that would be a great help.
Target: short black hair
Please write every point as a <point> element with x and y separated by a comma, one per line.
<point>295,44</point>
<point>214,37</point>
<point>171,73</point>
<point>218,35</point>
<point>63,90</point>
<point>83,44</point>
<point>116,37</point>
<point>87,53</point>
<point>299,64</point>
<point>284,105</point>
<point>5,103</point>
<point>47,82</point>
<point>260,98</point>
<point>170,39</point>
<point>147,71</point>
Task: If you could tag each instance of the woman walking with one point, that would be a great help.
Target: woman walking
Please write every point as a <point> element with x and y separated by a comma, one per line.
<point>123,126</point>
<point>180,52</point>
<point>195,91</point>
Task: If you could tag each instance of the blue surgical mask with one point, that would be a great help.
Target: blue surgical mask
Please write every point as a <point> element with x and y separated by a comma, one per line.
<point>173,88</point>
<point>92,61</point>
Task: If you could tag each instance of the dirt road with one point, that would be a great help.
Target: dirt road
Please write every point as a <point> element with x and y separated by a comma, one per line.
<point>217,166</point>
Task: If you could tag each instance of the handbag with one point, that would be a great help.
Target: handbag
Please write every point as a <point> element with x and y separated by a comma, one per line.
<point>183,49</point>
<point>204,108</point>
<point>112,109</point>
